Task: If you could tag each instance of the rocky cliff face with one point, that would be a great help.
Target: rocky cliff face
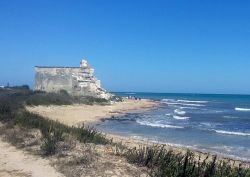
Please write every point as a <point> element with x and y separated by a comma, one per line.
<point>77,81</point>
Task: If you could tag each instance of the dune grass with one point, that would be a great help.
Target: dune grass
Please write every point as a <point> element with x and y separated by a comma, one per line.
<point>160,161</point>
<point>163,162</point>
<point>12,112</point>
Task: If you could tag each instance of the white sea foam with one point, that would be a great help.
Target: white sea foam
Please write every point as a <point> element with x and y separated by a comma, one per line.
<point>207,124</point>
<point>191,101</point>
<point>183,101</point>
<point>184,107</point>
<point>242,109</point>
<point>157,124</point>
<point>230,117</point>
<point>180,118</point>
<point>232,133</point>
<point>185,104</point>
<point>180,112</point>
<point>165,99</point>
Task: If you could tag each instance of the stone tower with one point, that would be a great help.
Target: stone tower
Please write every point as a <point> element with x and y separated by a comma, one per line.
<point>77,81</point>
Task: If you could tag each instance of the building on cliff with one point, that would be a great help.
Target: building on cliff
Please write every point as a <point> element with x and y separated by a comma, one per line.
<point>77,81</point>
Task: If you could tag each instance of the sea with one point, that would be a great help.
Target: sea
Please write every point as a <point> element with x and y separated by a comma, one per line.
<point>214,123</point>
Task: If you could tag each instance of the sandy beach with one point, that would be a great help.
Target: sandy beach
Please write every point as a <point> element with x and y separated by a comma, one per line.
<point>20,162</point>
<point>74,115</point>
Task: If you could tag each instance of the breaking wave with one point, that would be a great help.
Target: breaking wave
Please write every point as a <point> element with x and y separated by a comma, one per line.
<point>183,104</point>
<point>188,107</point>
<point>180,118</point>
<point>232,133</point>
<point>157,124</point>
<point>180,112</point>
<point>191,101</point>
<point>168,100</point>
<point>242,109</point>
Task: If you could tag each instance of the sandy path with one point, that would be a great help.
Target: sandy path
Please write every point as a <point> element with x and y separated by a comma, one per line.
<point>16,163</point>
<point>76,114</point>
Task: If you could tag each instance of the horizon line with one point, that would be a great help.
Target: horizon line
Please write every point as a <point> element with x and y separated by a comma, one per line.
<point>245,94</point>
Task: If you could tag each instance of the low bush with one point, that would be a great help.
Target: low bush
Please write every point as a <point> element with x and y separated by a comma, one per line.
<point>83,134</point>
<point>20,97</point>
<point>163,163</point>
<point>88,100</point>
<point>50,141</point>
<point>7,107</point>
<point>41,98</point>
<point>89,135</point>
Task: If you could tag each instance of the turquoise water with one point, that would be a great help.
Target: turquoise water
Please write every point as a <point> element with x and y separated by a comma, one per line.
<point>206,122</point>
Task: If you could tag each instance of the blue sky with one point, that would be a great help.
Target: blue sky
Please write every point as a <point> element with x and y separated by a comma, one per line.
<point>134,45</point>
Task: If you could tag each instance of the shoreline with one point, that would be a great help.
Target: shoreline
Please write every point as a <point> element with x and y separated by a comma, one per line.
<point>92,115</point>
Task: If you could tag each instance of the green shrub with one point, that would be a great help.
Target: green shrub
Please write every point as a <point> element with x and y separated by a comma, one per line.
<point>164,163</point>
<point>88,100</point>
<point>50,140</point>
<point>83,134</point>
<point>20,96</point>
<point>48,99</point>
<point>89,135</point>
<point>5,108</point>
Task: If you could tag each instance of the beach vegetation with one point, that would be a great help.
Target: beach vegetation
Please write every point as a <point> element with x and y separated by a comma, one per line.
<point>159,160</point>
<point>13,112</point>
<point>163,162</point>
<point>25,96</point>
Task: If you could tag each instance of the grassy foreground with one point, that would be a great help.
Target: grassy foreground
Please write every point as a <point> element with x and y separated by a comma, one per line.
<point>158,160</point>
<point>12,111</point>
